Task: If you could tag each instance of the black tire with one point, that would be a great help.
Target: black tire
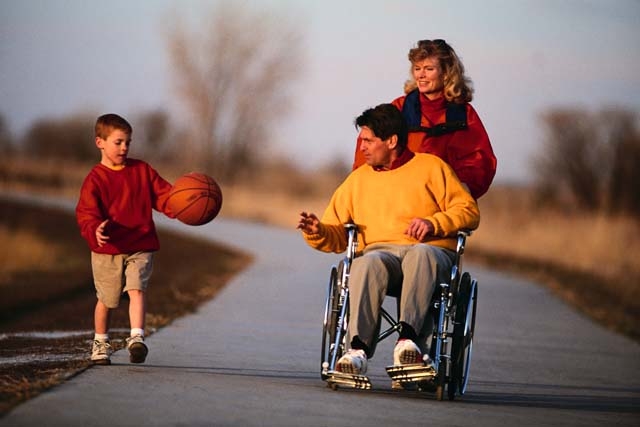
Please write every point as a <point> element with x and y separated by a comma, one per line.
<point>333,307</point>
<point>462,342</point>
<point>470,331</point>
<point>328,324</point>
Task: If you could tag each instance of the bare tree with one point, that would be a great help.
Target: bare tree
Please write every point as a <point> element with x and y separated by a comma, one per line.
<point>622,135</point>
<point>590,158</point>
<point>152,133</point>
<point>569,163</point>
<point>6,139</point>
<point>234,78</point>
<point>67,138</point>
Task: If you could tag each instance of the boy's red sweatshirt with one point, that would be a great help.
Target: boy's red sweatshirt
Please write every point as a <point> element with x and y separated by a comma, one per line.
<point>125,197</point>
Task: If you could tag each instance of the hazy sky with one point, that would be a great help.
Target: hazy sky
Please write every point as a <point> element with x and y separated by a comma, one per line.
<point>59,57</point>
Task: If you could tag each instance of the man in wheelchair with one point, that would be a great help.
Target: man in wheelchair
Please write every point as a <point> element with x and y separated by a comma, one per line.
<point>408,208</point>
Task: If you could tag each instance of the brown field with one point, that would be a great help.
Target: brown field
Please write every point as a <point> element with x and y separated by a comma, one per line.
<point>588,260</point>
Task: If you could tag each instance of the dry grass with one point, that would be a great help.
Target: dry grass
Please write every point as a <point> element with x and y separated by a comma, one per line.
<point>21,250</point>
<point>595,244</point>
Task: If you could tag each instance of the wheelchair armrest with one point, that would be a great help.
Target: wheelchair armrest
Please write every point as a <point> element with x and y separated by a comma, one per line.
<point>462,239</point>
<point>350,226</point>
<point>465,232</point>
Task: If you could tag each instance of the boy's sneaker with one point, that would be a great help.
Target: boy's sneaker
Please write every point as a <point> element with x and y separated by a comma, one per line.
<point>406,352</point>
<point>101,352</point>
<point>353,362</point>
<point>137,349</point>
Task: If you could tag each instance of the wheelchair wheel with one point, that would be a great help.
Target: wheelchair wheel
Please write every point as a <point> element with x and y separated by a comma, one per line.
<point>329,326</point>
<point>462,342</point>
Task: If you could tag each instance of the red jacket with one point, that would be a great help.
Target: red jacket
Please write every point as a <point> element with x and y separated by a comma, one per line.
<point>125,197</point>
<point>468,151</point>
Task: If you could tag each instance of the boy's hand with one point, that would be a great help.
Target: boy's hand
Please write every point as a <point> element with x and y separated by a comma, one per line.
<point>308,223</point>
<point>101,237</point>
<point>419,229</point>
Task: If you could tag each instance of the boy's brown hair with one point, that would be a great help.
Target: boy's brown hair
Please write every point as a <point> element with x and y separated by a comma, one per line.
<point>108,122</point>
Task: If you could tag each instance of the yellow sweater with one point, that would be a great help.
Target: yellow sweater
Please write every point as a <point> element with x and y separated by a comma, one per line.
<point>383,203</point>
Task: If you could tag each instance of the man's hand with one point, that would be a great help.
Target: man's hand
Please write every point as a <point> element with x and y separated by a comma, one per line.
<point>420,229</point>
<point>101,237</point>
<point>308,223</point>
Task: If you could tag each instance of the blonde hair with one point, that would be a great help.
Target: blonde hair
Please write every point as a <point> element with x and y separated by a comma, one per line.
<point>457,87</point>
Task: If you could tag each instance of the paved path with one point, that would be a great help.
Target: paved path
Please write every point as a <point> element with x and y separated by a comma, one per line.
<point>250,357</point>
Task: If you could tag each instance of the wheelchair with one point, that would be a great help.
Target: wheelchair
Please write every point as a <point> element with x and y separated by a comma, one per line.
<point>453,307</point>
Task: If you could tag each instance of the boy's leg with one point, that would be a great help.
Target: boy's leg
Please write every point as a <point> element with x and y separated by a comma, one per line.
<point>137,308</point>
<point>107,278</point>
<point>137,273</point>
<point>135,343</point>
<point>101,318</point>
<point>101,347</point>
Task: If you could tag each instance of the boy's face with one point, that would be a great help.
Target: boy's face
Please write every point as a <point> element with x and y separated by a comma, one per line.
<point>114,149</point>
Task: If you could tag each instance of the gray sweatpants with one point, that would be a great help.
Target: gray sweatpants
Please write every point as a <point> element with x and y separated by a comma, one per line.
<point>408,271</point>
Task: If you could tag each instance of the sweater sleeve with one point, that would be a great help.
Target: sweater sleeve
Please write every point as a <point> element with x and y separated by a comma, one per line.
<point>458,210</point>
<point>160,190</point>
<point>472,157</point>
<point>89,212</point>
<point>332,236</point>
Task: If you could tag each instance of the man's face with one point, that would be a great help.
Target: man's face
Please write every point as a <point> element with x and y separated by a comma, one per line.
<point>376,151</point>
<point>115,148</point>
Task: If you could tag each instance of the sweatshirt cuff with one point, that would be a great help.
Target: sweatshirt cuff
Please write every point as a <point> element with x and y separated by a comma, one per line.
<point>437,228</point>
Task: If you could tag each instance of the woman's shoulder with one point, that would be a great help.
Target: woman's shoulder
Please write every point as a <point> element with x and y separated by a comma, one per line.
<point>399,102</point>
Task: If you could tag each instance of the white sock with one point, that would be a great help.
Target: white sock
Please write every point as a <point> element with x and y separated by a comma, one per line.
<point>137,331</point>
<point>101,337</point>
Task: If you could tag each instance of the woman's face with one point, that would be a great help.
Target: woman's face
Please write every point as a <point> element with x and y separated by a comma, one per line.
<point>429,77</point>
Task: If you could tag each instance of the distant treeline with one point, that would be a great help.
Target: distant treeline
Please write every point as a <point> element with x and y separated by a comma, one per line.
<point>590,160</point>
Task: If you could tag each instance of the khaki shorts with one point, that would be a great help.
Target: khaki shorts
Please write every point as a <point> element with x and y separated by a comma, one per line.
<point>115,274</point>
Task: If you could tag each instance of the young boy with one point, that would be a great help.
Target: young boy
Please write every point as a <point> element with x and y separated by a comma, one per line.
<point>114,213</point>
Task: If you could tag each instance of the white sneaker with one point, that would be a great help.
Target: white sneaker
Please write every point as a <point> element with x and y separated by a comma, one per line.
<point>101,352</point>
<point>137,349</point>
<point>406,352</point>
<point>353,362</point>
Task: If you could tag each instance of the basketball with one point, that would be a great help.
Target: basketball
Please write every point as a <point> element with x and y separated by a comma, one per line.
<point>195,198</point>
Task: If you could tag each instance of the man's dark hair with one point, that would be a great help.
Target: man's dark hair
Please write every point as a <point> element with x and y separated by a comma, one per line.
<point>385,120</point>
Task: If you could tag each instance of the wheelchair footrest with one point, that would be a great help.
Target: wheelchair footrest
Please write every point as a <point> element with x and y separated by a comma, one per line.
<point>339,379</point>
<point>417,372</point>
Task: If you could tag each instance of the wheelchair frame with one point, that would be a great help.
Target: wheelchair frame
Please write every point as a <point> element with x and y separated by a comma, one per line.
<point>453,306</point>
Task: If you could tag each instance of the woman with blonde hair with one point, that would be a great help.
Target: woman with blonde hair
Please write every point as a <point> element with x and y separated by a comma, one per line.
<point>441,120</point>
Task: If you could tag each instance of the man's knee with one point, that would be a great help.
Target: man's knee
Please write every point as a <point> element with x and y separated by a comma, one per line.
<point>423,253</point>
<point>368,264</point>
